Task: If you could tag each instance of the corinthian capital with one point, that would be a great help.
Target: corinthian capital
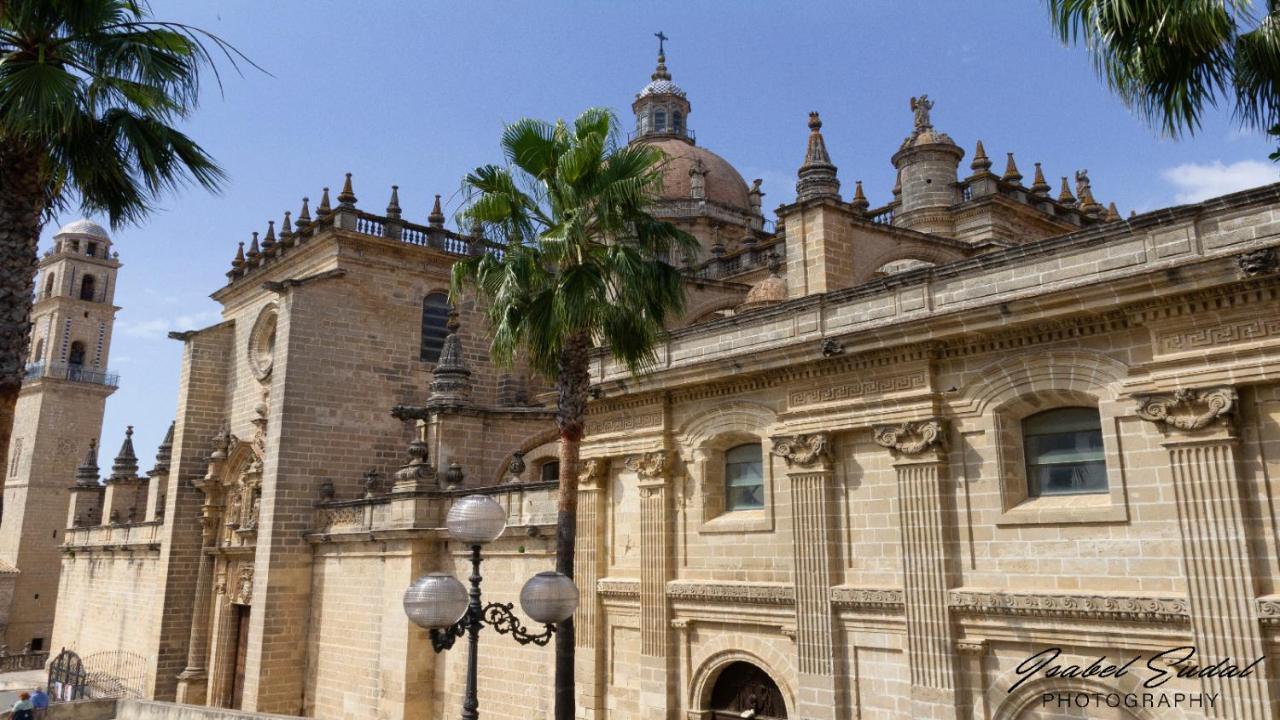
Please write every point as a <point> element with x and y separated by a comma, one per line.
<point>803,450</point>
<point>911,438</point>
<point>649,466</point>
<point>1188,409</point>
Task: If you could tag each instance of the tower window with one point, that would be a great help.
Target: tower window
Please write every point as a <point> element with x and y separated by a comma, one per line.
<point>39,351</point>
<point>744,478</point>
<point>435,321</point>
<point>677,122</point>
<point>660,121</point>
<point>91,249</point>
<point>77,353</point>
<point>550,471</point>
<point>1064,452</point>
<point>48,285</point>
<point>86,287</point>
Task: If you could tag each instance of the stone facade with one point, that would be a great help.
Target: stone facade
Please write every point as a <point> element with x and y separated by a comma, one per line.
<point>894,545</point>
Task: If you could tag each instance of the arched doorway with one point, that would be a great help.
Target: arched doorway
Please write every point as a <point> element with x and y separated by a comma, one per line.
<point>743,690</point>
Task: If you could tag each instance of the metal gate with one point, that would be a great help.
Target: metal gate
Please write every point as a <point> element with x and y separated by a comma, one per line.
<point>67,679</point>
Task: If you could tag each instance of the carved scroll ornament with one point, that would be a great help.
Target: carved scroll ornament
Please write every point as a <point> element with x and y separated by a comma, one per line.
<point>910,438</point>
<point>649,466</point>
<point>1188,409</point>
<point>803,450</point>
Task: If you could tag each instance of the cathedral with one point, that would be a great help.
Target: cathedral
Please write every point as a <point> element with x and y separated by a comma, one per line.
<point>887,456</point>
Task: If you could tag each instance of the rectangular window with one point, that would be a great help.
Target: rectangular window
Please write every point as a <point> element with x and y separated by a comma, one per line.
<point>744,478</point>
<point>1064,452</point>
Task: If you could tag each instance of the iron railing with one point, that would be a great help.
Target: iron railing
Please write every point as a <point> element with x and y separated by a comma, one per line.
<point>72,372</point>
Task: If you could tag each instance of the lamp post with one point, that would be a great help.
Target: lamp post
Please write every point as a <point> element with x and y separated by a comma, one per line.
<point>440,603</point>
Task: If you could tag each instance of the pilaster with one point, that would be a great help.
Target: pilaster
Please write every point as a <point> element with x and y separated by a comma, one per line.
<point>808,461</point>
<point>653,475</point>
<point>920,462</point>
<point>588,567</point>
<point>1200,436</point>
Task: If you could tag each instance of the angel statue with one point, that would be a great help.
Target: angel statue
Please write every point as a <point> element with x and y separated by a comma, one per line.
<point>921,107</point>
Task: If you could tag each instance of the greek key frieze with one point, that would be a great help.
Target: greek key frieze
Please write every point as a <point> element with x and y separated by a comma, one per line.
<point>623,422</point>
<point>732,593</point>
<point>1228,334</point>
<point>855,390</point>
<point>1089,607</point>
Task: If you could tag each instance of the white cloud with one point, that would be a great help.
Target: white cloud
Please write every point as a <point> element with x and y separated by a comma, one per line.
<point>160,327</point>
<point>1199,181</point>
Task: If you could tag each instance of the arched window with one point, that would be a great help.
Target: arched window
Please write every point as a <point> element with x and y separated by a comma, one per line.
<point>39,351</point>
<point>743,478</point>
<point>660,121</point>
<point>435,321</point>
<point>745,691</point>
<point>77,353</point>
<point>86,287</point>
<point>677,122</point>
<point>48,285</point>
<point>1064,452</point>
<point>550,471</point>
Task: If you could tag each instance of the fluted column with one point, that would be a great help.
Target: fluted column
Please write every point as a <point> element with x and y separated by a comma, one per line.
<point>1200,437</point>
<point>973,654</point>
<point>920,463</point>
<point>193,681</point>
<point>588,564</point>
<point>808,460</point>
<point>222,660</point>
<point>652,472</point>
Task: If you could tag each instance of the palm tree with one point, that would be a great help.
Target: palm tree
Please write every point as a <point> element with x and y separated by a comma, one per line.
<point>1171,59</point>
<point>584,264</point>
<point>89,90</point>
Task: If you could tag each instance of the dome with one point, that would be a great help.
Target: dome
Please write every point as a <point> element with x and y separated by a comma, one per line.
<point>928,136</point>
<point>84,227</point>
<point>661,87</point>
<point>723,184</point>
<point>769,291</point>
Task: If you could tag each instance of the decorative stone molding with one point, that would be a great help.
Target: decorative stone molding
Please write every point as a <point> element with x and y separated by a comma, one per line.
<point>262,343</point>
<point>618,587</point>
<point>1188,409</point>
<point>911,438</point>
<point>750,594</point>
<point>972,648</point>
<point>857,390</point>
<point>867,598</point>
<point>1263,261</point>
<point>649,466</point>
<point>592,472</point>
<point>1268,609</point>
<point>1088,607</point>
<point>243,594</point>
<point>805,450</point>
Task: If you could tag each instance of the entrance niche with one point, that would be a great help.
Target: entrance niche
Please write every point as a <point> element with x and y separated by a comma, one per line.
<point>745,691</point>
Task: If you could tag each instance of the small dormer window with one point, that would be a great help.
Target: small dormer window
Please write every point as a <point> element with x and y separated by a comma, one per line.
<point>91,249</point>
<point>660,121</point>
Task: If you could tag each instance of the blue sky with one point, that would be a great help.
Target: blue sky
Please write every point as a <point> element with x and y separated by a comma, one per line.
<point>416,93</point>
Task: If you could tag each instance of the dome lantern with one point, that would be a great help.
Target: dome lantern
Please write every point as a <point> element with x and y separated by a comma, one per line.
<point>661,107</point>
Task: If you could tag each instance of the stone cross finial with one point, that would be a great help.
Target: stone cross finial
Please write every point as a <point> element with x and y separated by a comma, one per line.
<point>661,40</point>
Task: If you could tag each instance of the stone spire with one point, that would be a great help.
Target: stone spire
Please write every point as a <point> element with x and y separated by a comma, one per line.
<point>254,252</point>
<point>817,175</point>
<point>436,218</point>
<point>269,242</point>
<point>164,453</point>
<point>1112,213</point>
<point>393,206</point>
<point>286,230</point>
<point>87,473</point>
<point>304,215</point>
<point>125,466</point>
<point>1011,174</point>
<point>1084,189</point>
<point>237,263</point>
<point>1039,186</point>
<point>451,379</point>
<point>859,201</point>
<point>1065,197</point>
<point>981,163</point>
<point>323,210</point>
<point>347,198</point>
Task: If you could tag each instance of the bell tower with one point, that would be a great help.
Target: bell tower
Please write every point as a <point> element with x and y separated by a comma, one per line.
<point>58,416</point>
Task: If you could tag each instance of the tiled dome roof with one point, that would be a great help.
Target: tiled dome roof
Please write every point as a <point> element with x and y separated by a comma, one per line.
<point>661,87</point>
<point>769,291</point>
<point>84,227</point>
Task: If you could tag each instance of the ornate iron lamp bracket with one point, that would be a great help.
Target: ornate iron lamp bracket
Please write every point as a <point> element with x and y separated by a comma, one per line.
<point>500,617</point>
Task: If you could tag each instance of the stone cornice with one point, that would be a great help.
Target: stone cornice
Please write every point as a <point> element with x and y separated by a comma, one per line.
<point>1138,608</point>
<point>618,587</point>
<point>725,592</point>
<point>843,596</point>
<point>1188,409</point>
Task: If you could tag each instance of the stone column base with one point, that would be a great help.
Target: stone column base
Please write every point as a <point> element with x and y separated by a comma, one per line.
<point>193,686</point>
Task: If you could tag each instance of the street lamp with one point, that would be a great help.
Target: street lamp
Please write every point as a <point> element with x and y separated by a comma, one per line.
<point>440,603</point>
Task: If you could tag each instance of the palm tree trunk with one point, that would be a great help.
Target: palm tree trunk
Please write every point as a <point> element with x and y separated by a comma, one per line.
<point>574,382</point>
<point>21,207</point>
